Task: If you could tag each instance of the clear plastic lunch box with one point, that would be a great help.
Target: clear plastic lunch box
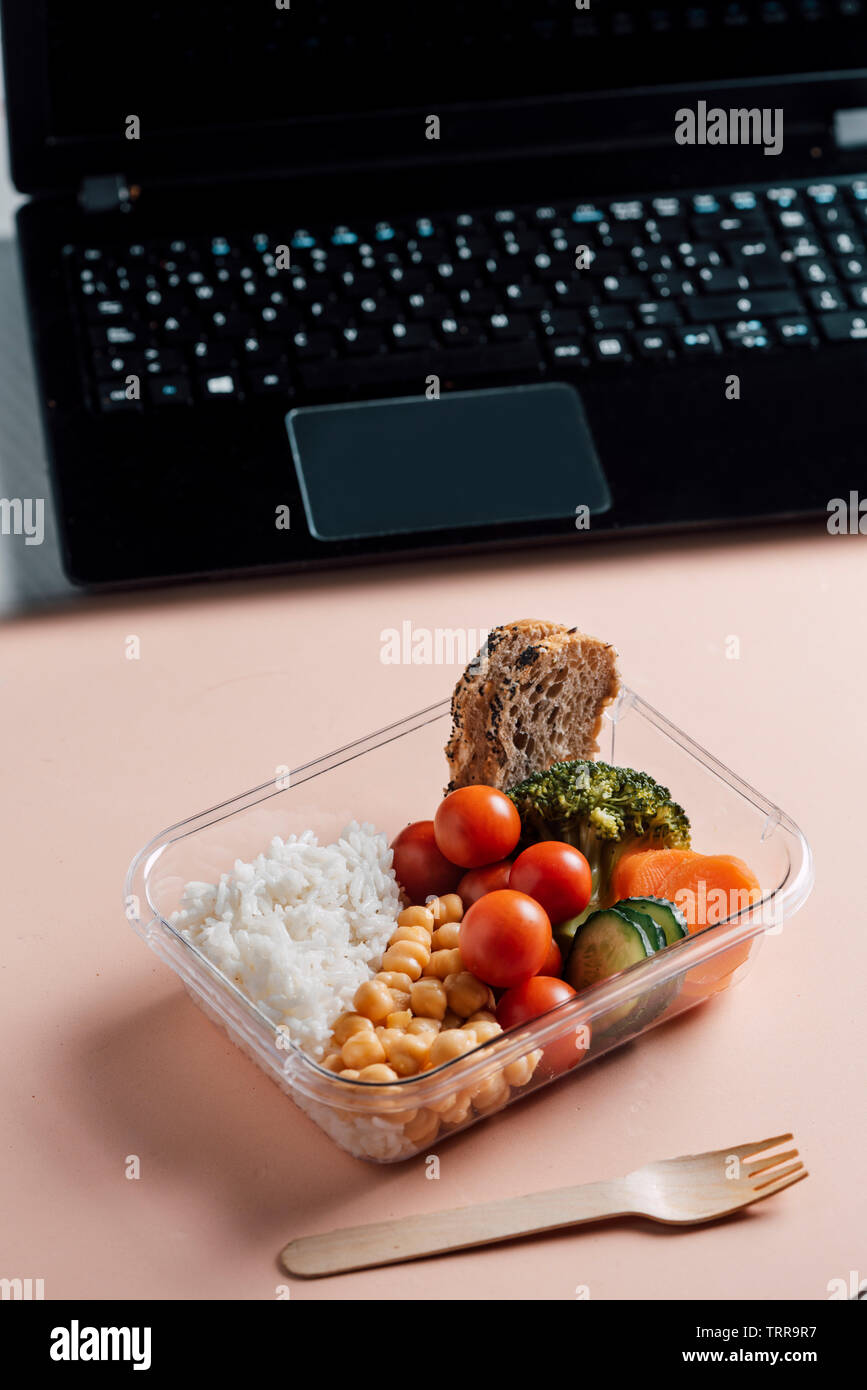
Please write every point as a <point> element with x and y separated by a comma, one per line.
<point>395,776</point>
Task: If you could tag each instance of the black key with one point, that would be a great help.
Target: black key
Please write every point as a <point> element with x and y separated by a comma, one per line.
<point>672,229</point>
<point>560,323</point>
<point>434,306</point>
<point>654,312</point>
<point>775,302</point>
<point>653,344</point>
<point>108,310</point>
<point>846,244</point>
<point>476,301</point>
<point>210,354</point>
<point>574,293</point>
<point>566,350</point>
<point>828,299</point>
<point>164,361</point>
<point>749,335</point>
<point>269,381</point>
<point>359,342</point>
<point>170,390</point>
<point>834,217</point>
<point>795,332</point>
<point>410,337</point>
<point>610,347</point>
<point>730,225</point>
<point>698,341</point>
<point>118,364</point>
<point>851,267</point>
<point>858,294</point>
<point>694,254</point>
<point>220,386</point>
<point>842,327</point>
<point>503,327</point>
<point>307,346</point>
<point>524,297</point>
<point>115,335</point>
<point>610,317</point>
<point>815,272</point>
<point>717,308</point>
<point>113,398</point>
<point>625,288</point>
<point>466,331</point>
<point>721,279</point>
<point>803,248</point>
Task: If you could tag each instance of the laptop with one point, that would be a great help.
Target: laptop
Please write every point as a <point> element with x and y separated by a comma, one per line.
<point>315,284</point>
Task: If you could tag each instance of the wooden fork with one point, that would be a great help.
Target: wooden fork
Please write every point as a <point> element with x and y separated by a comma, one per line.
<point>678,1191</point>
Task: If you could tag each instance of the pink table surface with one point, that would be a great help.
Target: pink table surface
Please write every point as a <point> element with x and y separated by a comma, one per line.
<point>104,1056</point>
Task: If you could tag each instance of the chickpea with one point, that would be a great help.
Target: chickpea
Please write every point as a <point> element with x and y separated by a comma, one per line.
<point>482,1032</point>
<point>452,1020</point>
<point>400,1019</point>
<point>452,1042</point>
<point>417,917</point>
<point>374,1000</point>
<point>520,1072</point>
<point>428,998</point>
<point>398,1117</point>
<point>466,993</point>
<point>419,934</point>
<point>377,1072</point>
<point>409,1053</point>
<point>459,1110</point>
<point>443,963</point>
<point>423,1128</point>
<point>349,1024</point>
<point>452,909</point>
<point>333,1062</point>
<point>395,980</point>
<point>423,1025</point>
<point>350,1074</point>
<point>446,937</point>
<point>491,1094</point>
<point>482,1016</point>
<point>387,1036</point>
<point>435,908</point>
<point>409,957</point>
<point>363,1050</point>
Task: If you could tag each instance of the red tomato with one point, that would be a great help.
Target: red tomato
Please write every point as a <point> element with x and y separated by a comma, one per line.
<point>552,965</point>
<point>557,876</point>
<point>476,825</point>
<point>535,997</point>
<point>418,865</point>
<point>476,882</point>
<point>505,937</point>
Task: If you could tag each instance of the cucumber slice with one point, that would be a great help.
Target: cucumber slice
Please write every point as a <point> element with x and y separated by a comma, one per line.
<point>665,914</point>
<point>607,943</point>
<point>651,928</point>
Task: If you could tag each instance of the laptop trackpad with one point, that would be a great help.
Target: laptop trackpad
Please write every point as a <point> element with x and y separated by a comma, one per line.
<point>472,458</point>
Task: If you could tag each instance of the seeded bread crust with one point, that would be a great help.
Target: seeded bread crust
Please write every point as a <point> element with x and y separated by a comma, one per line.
<point>536,697</point>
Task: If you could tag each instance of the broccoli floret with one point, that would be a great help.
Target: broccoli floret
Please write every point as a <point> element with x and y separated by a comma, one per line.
<point>602,810</point>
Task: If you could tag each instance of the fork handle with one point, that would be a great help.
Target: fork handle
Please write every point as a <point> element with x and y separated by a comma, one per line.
<point>411,1237</point>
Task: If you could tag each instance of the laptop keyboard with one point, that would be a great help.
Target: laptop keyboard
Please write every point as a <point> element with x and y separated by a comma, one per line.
<point>478,294</point>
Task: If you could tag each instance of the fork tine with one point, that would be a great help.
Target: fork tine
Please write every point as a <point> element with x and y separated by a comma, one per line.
<point>753,1169</point>
<point>778,1176</point>
<point>757,1146</point>
<point>778,1186</point>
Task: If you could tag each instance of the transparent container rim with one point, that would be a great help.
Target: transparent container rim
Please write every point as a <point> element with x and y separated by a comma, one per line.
<point>784,901</point>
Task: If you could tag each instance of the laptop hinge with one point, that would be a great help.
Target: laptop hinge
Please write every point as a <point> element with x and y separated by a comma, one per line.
<point>850,128</point>
<point>107,193</point>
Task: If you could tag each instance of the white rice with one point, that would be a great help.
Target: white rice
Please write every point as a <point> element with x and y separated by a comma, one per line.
<point>300,928</point>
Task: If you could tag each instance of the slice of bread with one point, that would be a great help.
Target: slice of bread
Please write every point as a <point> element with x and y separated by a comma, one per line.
<point>534,697</point>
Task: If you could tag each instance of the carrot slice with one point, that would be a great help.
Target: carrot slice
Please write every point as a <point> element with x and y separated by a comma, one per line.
<point>709,888</point>
<point>641,873</point>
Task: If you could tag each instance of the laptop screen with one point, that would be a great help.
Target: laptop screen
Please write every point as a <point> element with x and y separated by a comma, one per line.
<point>240,65</point>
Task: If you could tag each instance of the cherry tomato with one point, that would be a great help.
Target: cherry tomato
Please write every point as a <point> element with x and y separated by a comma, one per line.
<point>552,965</point>
<point>505,937</point>
<point>476,882</point>
<point>556,875</point>
<point>476,825</point>
<point>418,865</point>
<point>535,997</point>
